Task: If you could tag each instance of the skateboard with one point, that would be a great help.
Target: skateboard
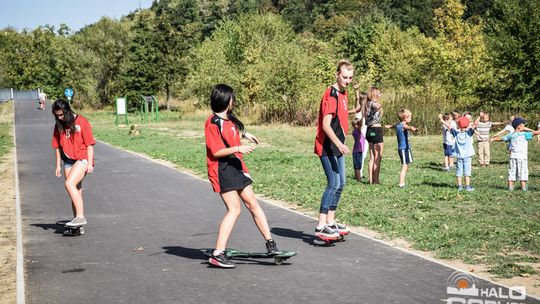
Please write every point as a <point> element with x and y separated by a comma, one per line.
<point>71,231</point>
<point>279,258</point>
<point>331,240</point>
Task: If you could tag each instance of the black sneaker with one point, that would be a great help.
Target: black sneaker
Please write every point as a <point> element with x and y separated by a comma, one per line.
<point>271,246</point>
<point>221,260</point>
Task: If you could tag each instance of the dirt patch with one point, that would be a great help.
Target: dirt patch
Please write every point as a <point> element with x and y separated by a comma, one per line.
<point>8,239</point>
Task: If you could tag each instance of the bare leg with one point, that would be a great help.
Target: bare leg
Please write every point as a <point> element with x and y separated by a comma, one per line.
<point>467,180</point>
<point>402,174</point>
<point>331,218</point>
<point>371,162</point>
<point>232,203</point>
<point>257,212</point>
<point>72,183</point>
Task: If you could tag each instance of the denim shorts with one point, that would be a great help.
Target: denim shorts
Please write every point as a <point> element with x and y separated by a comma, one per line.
<point>448,150</point>
<point>464,167</point>
<point>68,162</point>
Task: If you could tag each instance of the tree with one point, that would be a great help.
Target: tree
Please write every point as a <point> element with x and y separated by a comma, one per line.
<point>178,29</point>
<point>512,28</point>
<point>139,73</point>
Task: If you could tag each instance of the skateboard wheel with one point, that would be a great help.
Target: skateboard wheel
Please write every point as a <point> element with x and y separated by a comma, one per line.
<point>278,261</point>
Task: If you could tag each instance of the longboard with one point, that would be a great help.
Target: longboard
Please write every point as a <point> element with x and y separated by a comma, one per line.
<point>279,258</point>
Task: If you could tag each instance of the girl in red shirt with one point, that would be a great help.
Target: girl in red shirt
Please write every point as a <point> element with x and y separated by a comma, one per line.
<point>74,145</point>
<point>228,173</point>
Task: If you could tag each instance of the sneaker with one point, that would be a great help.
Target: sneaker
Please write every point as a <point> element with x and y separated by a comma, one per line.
<point>469,188</point>
<point>271,246</point>
<point>78,221</point>
<point>221,260</point>
<point>402,185</point>
<point>447,169</point>
<point>524,188</point>
<point>341,229</point>
<point>510,188</point>
<point>326,232</point>
<point>460,188</point>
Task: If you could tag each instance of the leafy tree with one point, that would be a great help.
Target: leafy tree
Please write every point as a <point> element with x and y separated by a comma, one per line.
<point>512,27</point>
<point>178,29</point>
<point>138,72</point>
<point>103,45</point>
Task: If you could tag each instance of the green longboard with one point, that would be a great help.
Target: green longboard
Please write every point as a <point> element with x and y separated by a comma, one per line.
<point>234,253</point>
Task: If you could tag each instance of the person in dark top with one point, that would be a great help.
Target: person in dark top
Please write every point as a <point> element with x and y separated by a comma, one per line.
<point>228,173</point>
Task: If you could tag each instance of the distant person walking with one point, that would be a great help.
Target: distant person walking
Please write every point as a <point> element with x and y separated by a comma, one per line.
<point>374,134</point>
<point>42,99</point>
<point>74,146</point>
<point>332,128</point>
<point>228,173</point>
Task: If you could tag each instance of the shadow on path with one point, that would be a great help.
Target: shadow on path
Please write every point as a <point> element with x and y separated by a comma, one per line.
<point>311,239</point>
<point>55,227</point>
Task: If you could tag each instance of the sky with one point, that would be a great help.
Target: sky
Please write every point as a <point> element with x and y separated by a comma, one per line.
<point>30,14</point>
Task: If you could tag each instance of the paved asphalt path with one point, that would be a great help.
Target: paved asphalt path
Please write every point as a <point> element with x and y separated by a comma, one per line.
<point>147,224</point>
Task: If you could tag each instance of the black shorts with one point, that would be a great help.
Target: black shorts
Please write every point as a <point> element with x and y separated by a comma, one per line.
<point>374,135</point>
<point>231,175</point>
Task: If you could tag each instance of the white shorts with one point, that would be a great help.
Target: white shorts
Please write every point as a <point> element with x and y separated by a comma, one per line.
<point>518,170</point>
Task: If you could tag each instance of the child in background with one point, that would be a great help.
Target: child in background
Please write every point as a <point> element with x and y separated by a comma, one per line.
<point>483,128</point>
<point>464,151</point>
<point>358,111</point>
<point>518,166</point>
<point>448,143</point>
<point>404,149</point>
<point>359,148</point>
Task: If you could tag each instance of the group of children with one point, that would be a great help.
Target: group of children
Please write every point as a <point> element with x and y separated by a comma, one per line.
<point>458,132</point>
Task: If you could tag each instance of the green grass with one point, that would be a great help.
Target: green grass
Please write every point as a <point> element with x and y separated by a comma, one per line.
<point>6,139</point>
<point>490,225</point>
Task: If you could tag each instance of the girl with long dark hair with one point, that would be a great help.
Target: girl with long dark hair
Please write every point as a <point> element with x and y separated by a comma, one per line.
<point>74,146</point>
<point>228,173</point>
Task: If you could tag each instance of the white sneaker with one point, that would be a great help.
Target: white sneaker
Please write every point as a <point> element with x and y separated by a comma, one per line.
<point>76,222</point>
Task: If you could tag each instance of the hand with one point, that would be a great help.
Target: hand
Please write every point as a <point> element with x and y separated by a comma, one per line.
<point>414,129</point>
<point>251,138</point>
<point>245,149</point>
<point>58,172</point>
<point>89,168</point>
<point>343,149</point>
<point>440,116</point>
<point>481,114</point>
<point>356,86</point>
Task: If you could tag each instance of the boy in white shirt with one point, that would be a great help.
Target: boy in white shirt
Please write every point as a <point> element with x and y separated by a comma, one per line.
<point>518,145</point>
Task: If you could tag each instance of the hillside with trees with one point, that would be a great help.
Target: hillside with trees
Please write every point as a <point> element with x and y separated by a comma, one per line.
<point>279,55</point>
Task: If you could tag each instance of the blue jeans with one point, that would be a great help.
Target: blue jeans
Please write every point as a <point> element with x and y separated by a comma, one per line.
<point>334,168</point>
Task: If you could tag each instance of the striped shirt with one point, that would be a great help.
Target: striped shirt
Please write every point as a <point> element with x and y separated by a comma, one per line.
<point>483,129</point>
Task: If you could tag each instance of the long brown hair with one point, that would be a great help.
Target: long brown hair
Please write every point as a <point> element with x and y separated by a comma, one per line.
<point>69,116</point>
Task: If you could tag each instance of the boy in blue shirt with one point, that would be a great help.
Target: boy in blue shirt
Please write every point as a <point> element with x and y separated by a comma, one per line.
<point>518,145</point>
<point>404,149</point>
<point>464,150</point>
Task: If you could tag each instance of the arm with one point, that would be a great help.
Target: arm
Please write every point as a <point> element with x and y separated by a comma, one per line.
<point>250,137</point>
<point>58,171</point>
<point>390,126</point>
<point>332,136</point>
<point>357,104</point>
<point>447,125</point>
<point>90,153</point>
<point>407,127</point>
